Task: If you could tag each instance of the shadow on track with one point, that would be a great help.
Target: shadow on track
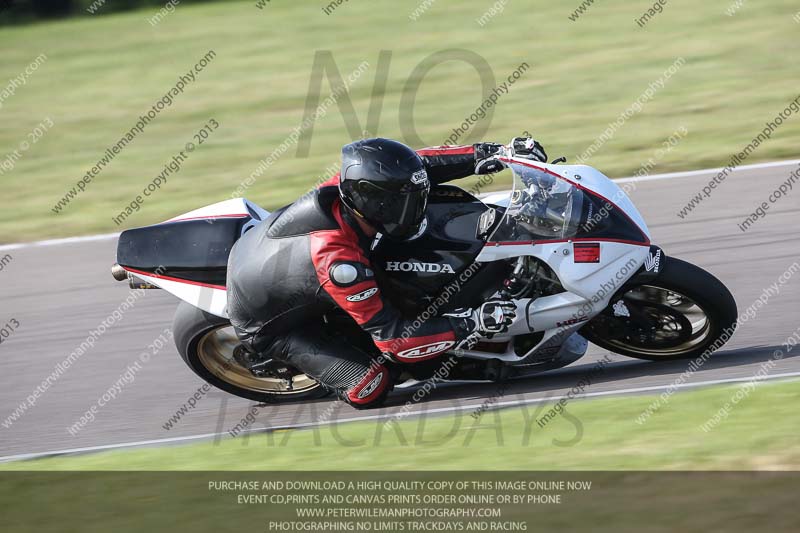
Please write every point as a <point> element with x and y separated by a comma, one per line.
<point>630,373</point>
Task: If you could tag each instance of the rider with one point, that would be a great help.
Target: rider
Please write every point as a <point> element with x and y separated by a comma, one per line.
<point>286,275</point>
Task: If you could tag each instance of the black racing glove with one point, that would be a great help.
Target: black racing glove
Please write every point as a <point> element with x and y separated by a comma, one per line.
<point>529,148</point>
<point>491,318</point>
<point>484,158</point>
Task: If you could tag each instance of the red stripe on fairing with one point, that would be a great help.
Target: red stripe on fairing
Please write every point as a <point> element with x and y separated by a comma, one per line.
<point>446,150</point>
<point>179,280</point>
<point>392,346</point>
<point>645,242</point>
<point>556,241</point>
<point>236,215</point>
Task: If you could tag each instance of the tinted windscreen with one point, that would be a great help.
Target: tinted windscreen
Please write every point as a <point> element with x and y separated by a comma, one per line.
<point>545,207</point>
<point>542,207</point>
<point>603,220</point>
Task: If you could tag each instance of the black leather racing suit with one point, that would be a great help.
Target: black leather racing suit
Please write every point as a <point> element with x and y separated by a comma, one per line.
<point>310,259</point>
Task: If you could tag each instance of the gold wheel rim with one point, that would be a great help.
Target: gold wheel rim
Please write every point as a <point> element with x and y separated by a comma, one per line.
<point>215,352</point>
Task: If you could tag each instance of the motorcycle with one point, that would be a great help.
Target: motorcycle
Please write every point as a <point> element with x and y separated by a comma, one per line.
<point>566,244</point>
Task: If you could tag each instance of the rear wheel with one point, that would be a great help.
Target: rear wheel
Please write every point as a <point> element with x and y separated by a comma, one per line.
<point>207,342</point>
<point>679,315</point>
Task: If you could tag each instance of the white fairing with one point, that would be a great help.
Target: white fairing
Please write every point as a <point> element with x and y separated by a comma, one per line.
<point>227,208</point>
<point>213,301</point>
<point>590,285</point>
<point>210,299</point>
<point>618,262</point>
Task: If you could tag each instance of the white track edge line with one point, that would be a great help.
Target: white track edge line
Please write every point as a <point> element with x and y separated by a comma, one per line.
<point>689,173</point>
<point>57,242</point>
<point>496,405</point>
<point>653,177</point>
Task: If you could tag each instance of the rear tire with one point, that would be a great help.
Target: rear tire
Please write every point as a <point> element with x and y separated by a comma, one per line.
<point>203,341</point>
<point>692,338</point>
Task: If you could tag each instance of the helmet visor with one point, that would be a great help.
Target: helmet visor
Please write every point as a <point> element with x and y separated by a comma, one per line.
<point>397,214</point>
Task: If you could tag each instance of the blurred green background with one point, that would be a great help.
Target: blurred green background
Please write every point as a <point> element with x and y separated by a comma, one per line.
<point>103,71</point>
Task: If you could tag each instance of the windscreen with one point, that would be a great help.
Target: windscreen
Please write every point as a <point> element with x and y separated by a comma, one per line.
<point>542,207</point>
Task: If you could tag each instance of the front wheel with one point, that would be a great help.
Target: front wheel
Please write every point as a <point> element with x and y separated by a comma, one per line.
<point>682,314</point>
<point>207,342</point>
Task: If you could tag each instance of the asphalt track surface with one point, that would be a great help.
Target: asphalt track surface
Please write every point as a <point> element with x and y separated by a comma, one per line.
<point>60,291</point>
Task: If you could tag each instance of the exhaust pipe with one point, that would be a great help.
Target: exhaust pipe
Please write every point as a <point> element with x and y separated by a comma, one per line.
<point>120,274</point>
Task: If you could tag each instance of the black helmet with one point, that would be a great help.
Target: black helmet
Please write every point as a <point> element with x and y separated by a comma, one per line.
<point>385,182</point>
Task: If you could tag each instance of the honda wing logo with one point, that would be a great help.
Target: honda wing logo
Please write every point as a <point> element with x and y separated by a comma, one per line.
<point>416,266</point>
<point>363,295</point>
<point>425,350</point>
<point>653,262</point>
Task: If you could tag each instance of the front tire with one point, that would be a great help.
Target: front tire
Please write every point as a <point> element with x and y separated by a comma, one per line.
<point>682,314</point>
<point>206,342</point>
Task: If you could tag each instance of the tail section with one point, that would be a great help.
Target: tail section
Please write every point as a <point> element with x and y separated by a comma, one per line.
<point>188,255</point>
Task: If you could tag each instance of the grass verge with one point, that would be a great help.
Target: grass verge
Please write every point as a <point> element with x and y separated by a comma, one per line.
<point>760,433</point>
